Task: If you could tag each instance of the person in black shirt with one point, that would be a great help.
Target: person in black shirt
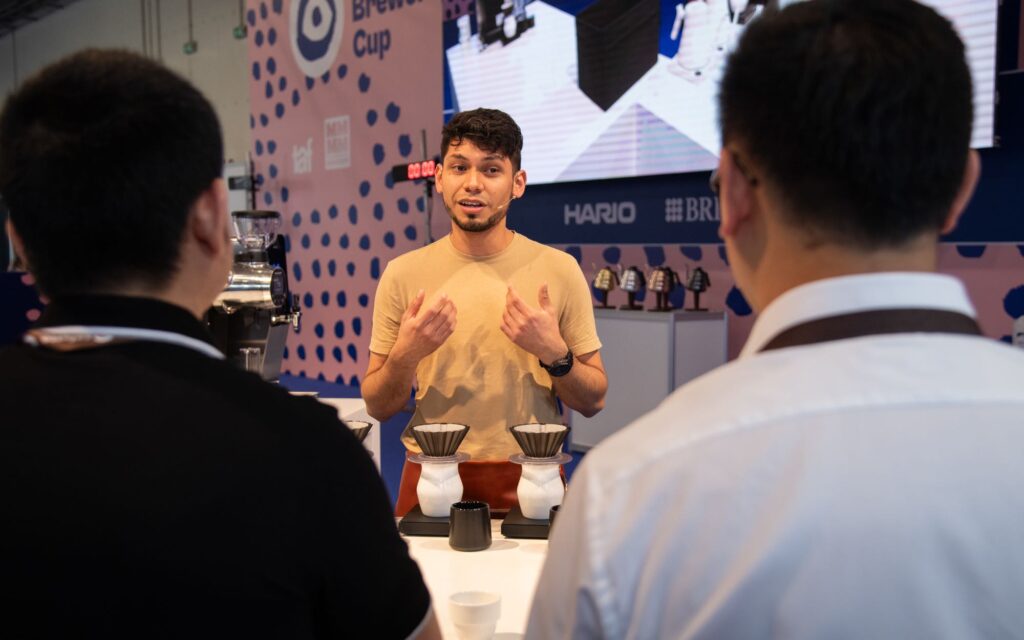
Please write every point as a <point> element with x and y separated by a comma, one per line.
<point>150,488</point>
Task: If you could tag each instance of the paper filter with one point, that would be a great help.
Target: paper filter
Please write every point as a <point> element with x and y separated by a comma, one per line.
<point>540,440</point>
<point>440,440</point>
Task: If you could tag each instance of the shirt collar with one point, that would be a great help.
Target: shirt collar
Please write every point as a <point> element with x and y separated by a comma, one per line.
<point>122,311</point>
<point>850,294</point>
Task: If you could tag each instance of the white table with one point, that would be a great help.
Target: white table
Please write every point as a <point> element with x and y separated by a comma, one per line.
<point>510,567</point>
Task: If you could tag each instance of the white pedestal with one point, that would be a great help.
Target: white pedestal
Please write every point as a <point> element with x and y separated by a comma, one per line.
<point>355,409</point>
<point>647,355</point>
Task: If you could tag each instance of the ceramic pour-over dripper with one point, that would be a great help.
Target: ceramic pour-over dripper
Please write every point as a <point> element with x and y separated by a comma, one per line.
<point>440,485</point>
<point>540,440</point>
<point>439,440</point>
<point>360,428</point>
<point>540,486</point>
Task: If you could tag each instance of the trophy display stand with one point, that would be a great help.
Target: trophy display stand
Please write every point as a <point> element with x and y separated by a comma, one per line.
<point>631,304</point>
<point>698,282</point>
<point>696,303</point>
<point>662,281</point>
<point>632,282</point>
<point>604,281</point>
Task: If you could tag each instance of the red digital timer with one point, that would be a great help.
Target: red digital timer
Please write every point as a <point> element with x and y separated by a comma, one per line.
<point>416,170</point>
<point>425,169</point>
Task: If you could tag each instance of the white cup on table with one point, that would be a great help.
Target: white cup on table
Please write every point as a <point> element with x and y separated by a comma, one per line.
<point>475,614</point>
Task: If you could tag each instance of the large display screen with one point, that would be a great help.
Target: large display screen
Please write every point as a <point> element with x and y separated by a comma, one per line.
<point>620,88</point>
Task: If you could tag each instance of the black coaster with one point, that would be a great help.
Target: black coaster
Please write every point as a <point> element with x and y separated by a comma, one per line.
<point>416,524</point>
<point>516,525</point>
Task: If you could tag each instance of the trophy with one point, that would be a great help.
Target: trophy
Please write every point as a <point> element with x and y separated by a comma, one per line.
<point>605,281</point>
<point>631,281</point>
<point>662,281</point>
<point>698,282</point>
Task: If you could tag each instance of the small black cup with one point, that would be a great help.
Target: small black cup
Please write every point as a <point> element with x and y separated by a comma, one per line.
<point>470,528</point>
<point>552,514</point>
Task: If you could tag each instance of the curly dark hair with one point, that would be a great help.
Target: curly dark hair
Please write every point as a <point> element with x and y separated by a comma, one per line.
<point>490,129</point>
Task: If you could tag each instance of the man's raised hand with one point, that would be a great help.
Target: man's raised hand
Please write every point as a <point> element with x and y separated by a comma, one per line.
<point>423,331</point>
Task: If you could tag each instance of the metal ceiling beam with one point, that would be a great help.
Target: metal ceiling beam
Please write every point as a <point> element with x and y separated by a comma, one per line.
<point>15,14</point>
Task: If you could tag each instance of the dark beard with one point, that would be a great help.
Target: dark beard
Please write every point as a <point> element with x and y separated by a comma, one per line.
<point>476,226</point>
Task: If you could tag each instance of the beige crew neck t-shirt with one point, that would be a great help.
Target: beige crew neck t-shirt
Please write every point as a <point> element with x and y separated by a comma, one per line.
<point>478,377</point>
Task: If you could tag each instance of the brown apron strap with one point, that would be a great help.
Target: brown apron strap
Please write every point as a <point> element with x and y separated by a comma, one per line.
<point>869,323</point>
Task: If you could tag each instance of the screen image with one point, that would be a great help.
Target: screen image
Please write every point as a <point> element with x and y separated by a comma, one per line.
<point>624,88</point>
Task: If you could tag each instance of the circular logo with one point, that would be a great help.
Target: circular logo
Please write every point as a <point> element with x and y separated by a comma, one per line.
<point>316,27</point>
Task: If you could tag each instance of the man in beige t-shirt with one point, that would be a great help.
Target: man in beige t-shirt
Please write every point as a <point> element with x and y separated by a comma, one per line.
<point>489,325</point>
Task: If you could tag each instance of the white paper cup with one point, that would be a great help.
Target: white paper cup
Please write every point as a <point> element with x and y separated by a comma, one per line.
<point>475,614</point>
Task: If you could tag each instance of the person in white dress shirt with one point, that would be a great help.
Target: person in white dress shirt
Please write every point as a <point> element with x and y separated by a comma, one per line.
<point>857,471</point>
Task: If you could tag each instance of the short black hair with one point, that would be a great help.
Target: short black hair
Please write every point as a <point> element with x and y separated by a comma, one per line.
<point>102,155</point>
<point>859,112</point>
<point>490,129</point>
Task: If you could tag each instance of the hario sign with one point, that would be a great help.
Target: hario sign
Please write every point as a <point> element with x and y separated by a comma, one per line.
<point>600,213</point>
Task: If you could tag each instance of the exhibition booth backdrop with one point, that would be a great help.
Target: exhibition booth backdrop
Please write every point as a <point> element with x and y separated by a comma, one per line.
<point>341,92</point>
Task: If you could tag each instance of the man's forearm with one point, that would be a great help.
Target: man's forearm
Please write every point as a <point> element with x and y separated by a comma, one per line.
<point>583,388</point>
<point>386,390</point>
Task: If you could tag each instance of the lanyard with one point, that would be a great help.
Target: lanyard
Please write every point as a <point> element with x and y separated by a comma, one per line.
<point>870,323</point>
<point>77,338</point>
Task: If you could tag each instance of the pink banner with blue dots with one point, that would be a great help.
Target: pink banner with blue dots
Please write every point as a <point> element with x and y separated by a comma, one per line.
<point>340,92</point>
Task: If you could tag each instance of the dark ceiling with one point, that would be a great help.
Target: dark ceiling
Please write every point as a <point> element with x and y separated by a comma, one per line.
<point>15,14</point>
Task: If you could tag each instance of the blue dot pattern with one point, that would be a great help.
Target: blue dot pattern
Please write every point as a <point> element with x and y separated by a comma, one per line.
<point>971,250</point>
<point>1013,303</point>
<point>692,252</point>
<point>333,251</point>
<point>404,145</point>
<point>612,255</point>
<point>655,255</point>
<point>737,303</point>
<point>576,253</point>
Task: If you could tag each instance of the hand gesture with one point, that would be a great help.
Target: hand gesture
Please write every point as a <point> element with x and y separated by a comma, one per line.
<point>534,330</point>
<point>422,331</point>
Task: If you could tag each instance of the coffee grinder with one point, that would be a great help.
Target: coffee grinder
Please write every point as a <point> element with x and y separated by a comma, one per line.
<point>251,317</point>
